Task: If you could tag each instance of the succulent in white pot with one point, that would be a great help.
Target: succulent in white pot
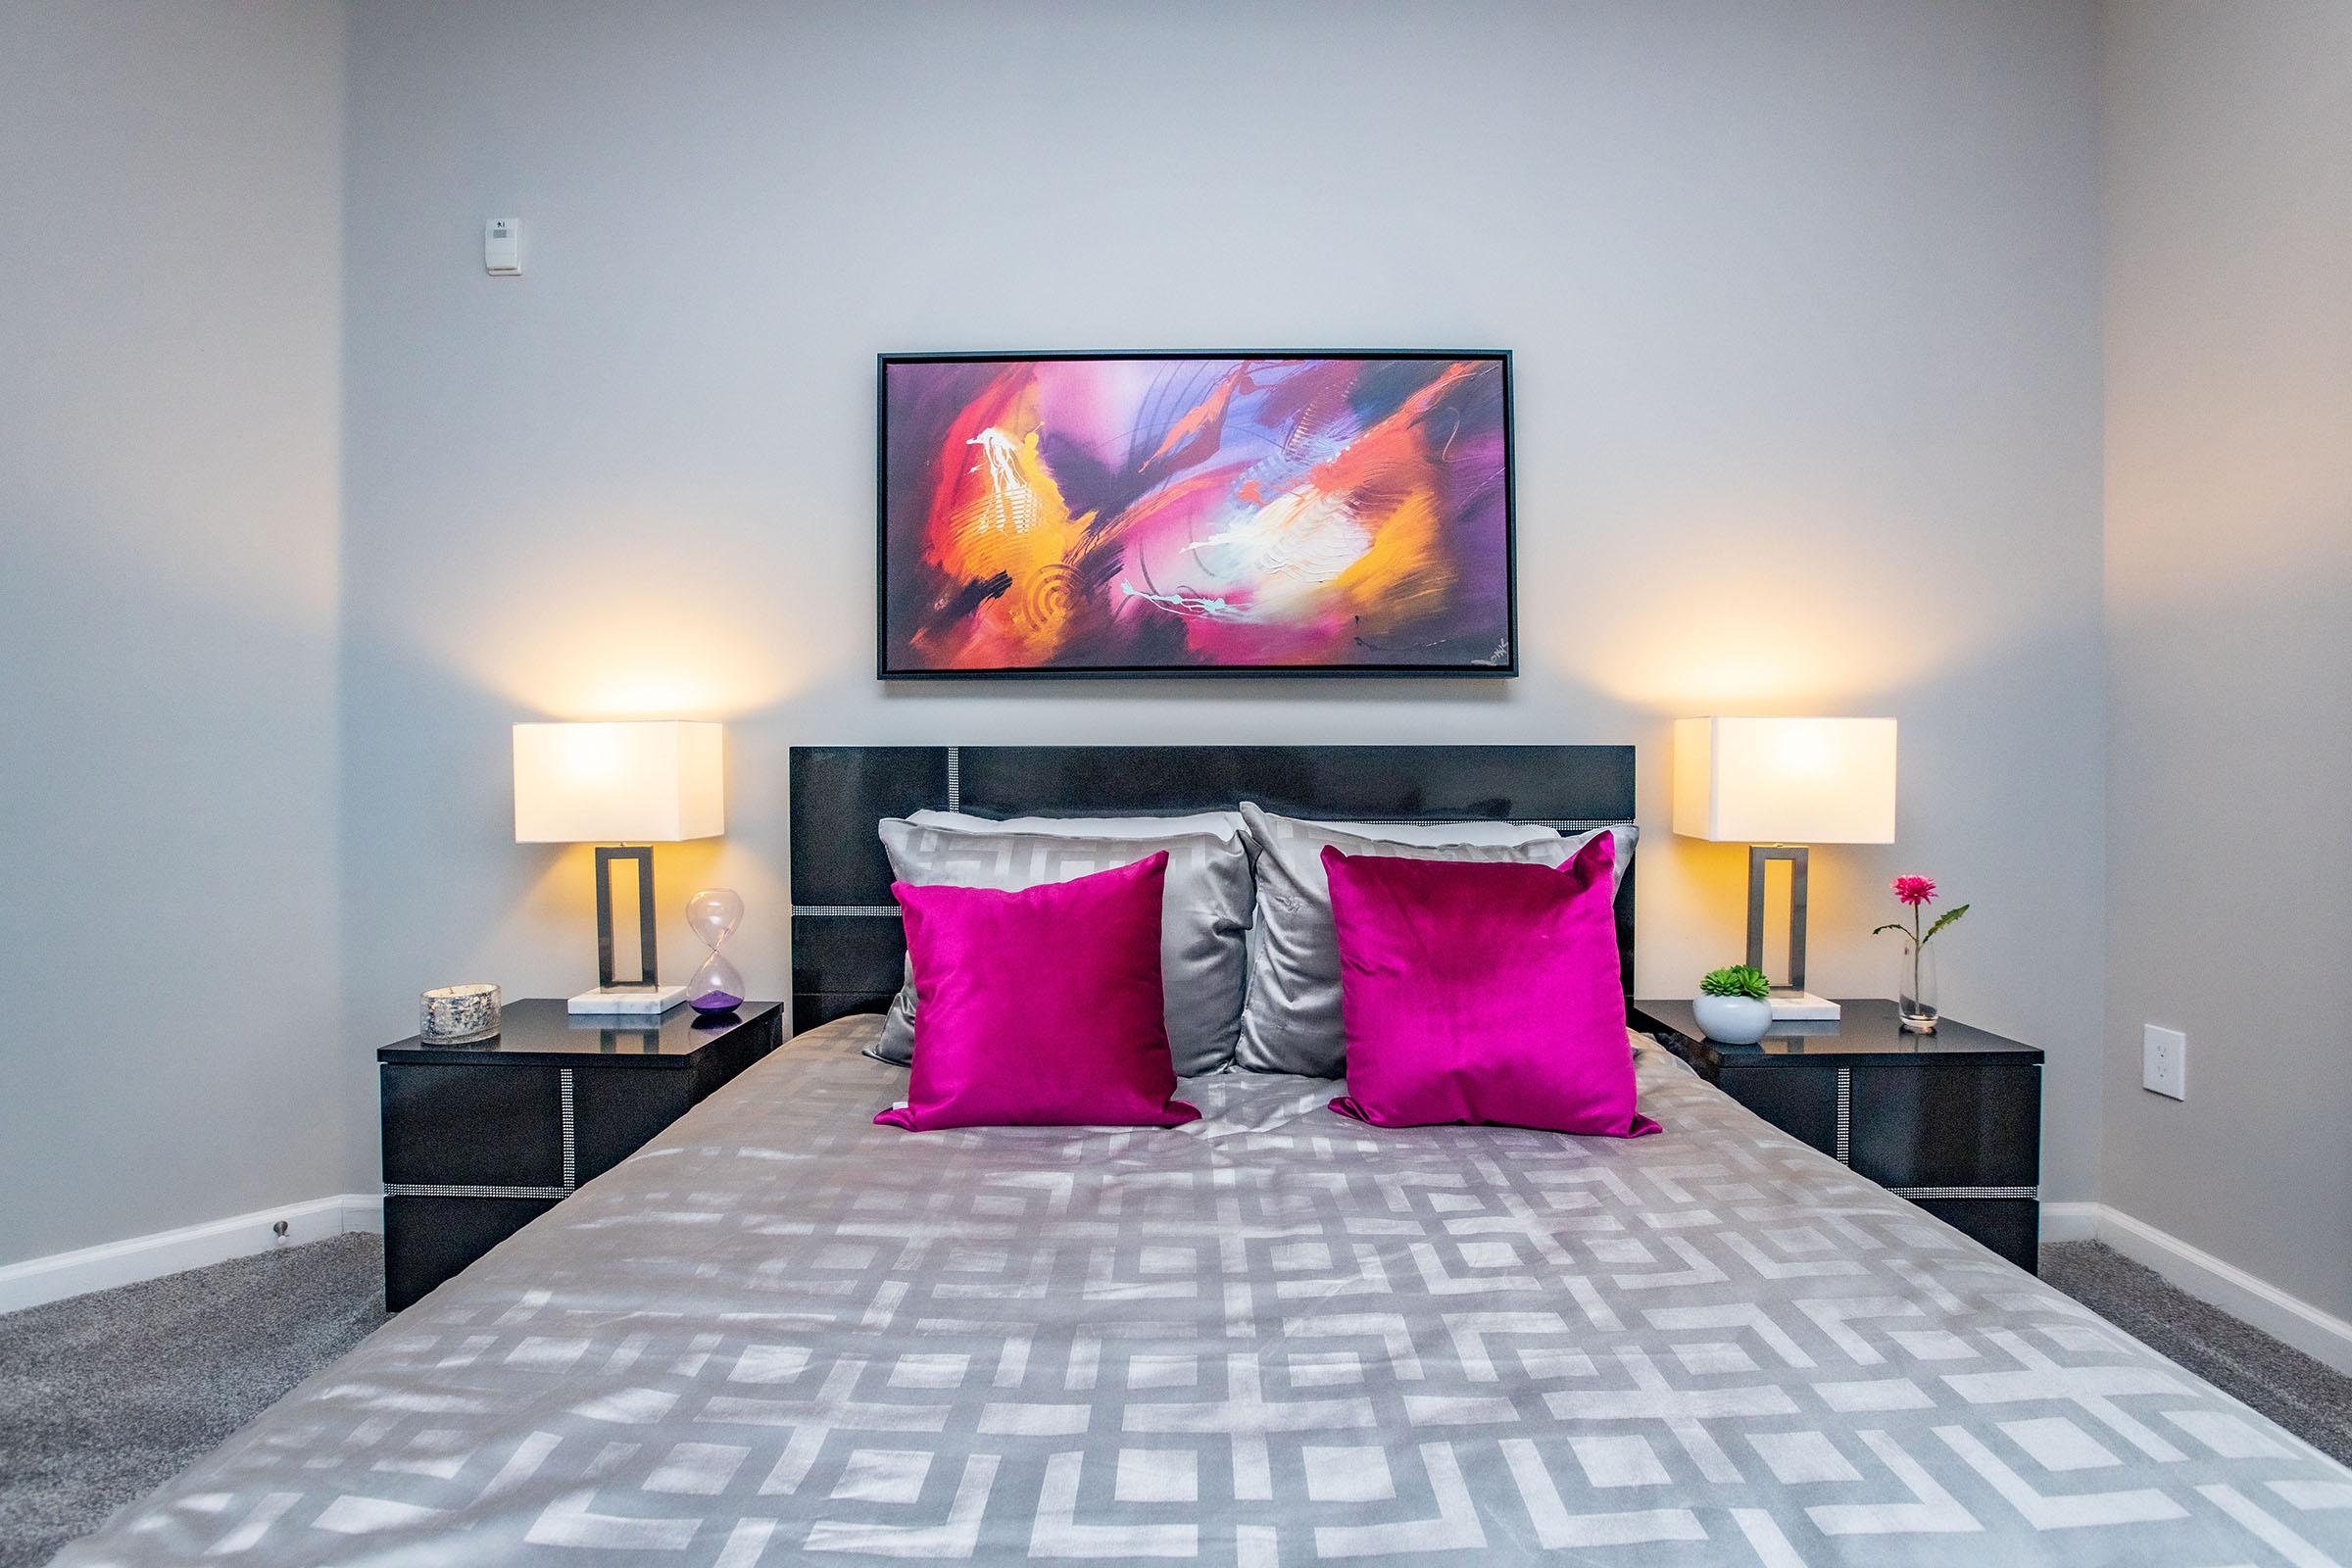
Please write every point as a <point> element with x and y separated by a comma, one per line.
<point>1734,1005</point>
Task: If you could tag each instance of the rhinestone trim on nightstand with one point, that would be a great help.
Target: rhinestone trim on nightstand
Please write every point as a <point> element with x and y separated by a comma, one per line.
<point>570,1151</point>
<point>2034,1192</point>
<point>461,1190</point>
<point>1845,1115</point>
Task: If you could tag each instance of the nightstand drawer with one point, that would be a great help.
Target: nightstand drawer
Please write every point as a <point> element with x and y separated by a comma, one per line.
<point>1801,1101</point>
<point>426,1240</point>
<point>2009,1226</point>
<point>496,1125</point>
<point>1951,1124</point>
<point>617,1113</point>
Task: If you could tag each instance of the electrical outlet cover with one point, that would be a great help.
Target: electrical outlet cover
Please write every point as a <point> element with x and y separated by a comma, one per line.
<point>2163,1062</point>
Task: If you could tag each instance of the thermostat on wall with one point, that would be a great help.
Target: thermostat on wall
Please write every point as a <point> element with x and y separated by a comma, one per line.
<point>501,247</point>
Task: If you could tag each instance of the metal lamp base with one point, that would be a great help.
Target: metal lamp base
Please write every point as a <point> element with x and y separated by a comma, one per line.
<point>1791,1002</point>
<point>640,995</point>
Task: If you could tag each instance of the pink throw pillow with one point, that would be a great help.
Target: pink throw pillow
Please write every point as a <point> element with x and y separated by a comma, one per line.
<point>1483,993</point>
<point>1041,1009</point>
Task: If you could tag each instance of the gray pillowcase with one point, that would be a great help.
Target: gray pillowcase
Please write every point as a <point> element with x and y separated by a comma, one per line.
<point>1442,833</point>
<point>1224,824</point>
<point>1204,916</point>
<point>1292,1021</point>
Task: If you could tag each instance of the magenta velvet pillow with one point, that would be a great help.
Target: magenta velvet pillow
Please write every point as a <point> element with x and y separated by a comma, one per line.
<point>1041,1009</point>
<point>1484,993</point>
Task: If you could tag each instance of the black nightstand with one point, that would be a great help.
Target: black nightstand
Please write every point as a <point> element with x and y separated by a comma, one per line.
<point>480,1139</point>
<point>1952,1120</point>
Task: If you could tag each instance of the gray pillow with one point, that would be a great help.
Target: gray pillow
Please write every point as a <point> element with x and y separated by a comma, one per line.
<point>1292,1021</point>
<point>1203,961</point>
<point>1446,833</point>
<point>1224,824</point>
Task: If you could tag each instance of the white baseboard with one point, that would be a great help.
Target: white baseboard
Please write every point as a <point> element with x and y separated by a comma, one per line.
<point>53,1278</point>
<point>363,1211</point>
<point>2317,1334</point>
<point>2069,1222</point>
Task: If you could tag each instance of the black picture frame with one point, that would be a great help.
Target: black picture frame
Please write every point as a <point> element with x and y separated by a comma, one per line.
<point>1503,669</point>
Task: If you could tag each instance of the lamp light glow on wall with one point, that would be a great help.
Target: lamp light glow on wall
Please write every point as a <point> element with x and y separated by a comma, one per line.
<point>621,787</point>
<point>1779,785</point>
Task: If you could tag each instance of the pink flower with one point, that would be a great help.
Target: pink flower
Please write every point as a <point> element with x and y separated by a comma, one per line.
<point>1914,890</point>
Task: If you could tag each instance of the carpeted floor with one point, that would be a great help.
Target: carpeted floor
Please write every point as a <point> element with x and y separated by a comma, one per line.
<point>106,1397</point>
<point>2308,1397</point>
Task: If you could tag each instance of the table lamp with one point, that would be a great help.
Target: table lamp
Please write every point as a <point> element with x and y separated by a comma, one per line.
<point>1779,785</point>
<point>621,787</point>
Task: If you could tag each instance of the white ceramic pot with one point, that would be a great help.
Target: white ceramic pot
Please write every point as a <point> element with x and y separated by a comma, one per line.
<point>1733,1020</point>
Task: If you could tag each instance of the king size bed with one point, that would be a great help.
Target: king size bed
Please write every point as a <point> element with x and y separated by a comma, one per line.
<point>781,1333</point>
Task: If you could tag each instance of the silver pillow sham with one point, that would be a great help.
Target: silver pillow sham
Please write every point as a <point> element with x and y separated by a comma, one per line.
<point>1228,825</point>
<point>1224,824</point>
<point>1442,833</point>
<point>1203,917</point>
<point>1290,1022</point>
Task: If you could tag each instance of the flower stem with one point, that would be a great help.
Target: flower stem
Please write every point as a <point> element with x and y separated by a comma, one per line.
<point>1918,944</point>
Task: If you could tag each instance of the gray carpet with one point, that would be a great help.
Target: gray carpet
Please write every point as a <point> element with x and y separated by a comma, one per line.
<point>106,1397</point>
<point>2308,1397</point>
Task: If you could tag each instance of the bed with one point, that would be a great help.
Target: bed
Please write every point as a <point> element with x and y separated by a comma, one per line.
<point>780,1334</point>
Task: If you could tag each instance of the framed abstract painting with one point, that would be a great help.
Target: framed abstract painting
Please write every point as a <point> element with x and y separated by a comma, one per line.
<point>1192,513</point>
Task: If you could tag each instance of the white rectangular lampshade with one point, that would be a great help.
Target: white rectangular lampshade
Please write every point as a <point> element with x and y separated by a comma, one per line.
<point>1785,780</point>
<point>625,783</point>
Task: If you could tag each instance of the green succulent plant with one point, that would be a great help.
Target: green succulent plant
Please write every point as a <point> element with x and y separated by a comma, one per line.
<point>1737,980</point>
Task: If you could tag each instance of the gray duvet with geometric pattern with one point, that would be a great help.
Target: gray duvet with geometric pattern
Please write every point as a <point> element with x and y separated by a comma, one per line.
<point>782,1335</point>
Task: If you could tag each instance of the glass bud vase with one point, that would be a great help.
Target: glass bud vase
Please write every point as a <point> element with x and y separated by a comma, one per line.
<point>1916,995</point>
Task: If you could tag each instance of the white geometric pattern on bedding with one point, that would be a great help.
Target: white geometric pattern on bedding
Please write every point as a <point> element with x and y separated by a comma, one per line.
<point>779,1335</point>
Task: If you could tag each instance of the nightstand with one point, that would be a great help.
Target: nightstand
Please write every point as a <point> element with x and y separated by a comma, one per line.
<point>481,1139</point>
<point>1952,1120</point>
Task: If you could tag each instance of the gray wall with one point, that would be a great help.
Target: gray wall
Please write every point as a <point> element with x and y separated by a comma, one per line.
<point>1806,306</point>
<point>2229,327</point>
<point>172,266</point>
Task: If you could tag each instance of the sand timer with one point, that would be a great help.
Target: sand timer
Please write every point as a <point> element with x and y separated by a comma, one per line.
<point>712,915</point>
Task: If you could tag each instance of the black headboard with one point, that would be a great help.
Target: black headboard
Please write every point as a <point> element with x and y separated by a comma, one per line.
<point>848,946</point>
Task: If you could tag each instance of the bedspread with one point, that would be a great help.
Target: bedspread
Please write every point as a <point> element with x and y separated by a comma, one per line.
<point>780,1334</point>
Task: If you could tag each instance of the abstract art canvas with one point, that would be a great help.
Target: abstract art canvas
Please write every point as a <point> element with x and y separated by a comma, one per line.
<point>1196,514</point>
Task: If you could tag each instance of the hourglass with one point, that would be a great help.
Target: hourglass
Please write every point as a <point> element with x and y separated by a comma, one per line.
<point>712,915</point>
